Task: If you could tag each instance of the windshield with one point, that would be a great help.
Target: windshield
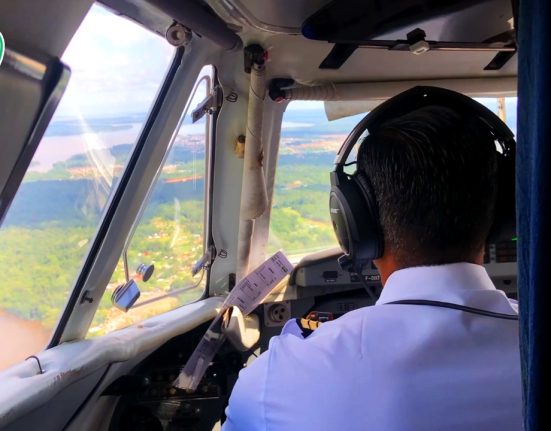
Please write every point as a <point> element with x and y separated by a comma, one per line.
<point>117,69</point>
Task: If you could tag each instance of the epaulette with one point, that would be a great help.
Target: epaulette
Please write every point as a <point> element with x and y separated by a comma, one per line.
<point>310,323</point>
<point>308,326</point>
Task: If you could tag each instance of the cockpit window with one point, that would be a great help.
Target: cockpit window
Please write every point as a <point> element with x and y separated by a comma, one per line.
<point>504,107</point>
<point>117,68</point>
<point>299,221</point>
<point>169,238</point>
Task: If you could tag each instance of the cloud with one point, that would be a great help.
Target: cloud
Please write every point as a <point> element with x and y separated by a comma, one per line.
<point>117,66</point>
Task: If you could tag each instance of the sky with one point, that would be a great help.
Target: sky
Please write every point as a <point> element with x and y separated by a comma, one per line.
<point>117,66</point>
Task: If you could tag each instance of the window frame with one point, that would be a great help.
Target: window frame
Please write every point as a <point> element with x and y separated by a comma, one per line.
<point>268,221</point>
<point>111,207</point>
<point>209,169</point>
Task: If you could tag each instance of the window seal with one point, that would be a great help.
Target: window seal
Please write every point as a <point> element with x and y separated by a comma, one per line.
<point>209,198</point>
<point>130,234</point>
<point>117,195</point>
<point>208,244</point>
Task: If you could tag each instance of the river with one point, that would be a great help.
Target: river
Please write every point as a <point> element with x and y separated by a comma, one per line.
<point>20,338</point>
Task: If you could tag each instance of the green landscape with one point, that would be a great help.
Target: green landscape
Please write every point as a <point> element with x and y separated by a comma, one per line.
<point>49,228</point>
<point>43,250</point>
<point>300,220</point>
<point>53,219</point>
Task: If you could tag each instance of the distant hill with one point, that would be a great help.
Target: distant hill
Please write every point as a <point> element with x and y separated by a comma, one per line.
<point>79,202</point>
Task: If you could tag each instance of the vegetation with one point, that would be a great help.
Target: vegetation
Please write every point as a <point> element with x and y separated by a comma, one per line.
<point>48,230</point>
<point>300,221</point>
<point>40,260</point>
<point>38,265</point>
<point>53,220</point>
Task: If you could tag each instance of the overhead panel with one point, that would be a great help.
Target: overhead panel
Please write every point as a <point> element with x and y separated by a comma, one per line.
<point>417,26</point>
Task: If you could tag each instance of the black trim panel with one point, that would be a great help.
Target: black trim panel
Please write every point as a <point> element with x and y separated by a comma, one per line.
<point>55,83</point>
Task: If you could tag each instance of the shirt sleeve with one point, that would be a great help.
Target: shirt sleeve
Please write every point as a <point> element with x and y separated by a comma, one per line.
<point>292,327</point>
<point>246,408</point>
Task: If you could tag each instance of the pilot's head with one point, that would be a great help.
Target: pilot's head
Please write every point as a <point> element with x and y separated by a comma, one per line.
<point>434,176</point>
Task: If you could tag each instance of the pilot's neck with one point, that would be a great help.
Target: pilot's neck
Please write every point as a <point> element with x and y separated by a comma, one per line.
<point>387,264</point>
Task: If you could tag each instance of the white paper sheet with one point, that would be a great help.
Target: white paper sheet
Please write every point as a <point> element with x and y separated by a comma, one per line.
<point>246,295</point>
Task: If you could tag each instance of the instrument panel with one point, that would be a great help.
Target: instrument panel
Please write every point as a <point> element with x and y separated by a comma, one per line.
<point>148,401</point>
<point>320,285</point>
<point>322,269</point>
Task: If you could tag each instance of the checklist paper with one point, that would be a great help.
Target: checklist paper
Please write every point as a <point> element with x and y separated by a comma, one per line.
<point>246,295</point>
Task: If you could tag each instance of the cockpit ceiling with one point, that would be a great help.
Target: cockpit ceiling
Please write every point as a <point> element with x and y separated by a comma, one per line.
<point>299,58</point>
<point>276,24</point>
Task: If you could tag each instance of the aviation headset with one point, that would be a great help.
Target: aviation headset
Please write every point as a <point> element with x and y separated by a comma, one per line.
<point>352,203</point>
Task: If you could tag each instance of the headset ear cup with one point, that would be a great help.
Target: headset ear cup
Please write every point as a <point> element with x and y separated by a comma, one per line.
<point>342,220</point>
<point>376,236</point>
<point>346,207</point>
<point>356,230</point>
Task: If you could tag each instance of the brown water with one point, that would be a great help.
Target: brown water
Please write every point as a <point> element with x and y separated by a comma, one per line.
<point>20,338</point>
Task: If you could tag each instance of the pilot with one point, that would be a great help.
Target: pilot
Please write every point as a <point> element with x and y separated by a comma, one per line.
<point>440,348</point>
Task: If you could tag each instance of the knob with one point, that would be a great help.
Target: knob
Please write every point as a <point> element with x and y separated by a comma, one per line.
<point>145,271</point>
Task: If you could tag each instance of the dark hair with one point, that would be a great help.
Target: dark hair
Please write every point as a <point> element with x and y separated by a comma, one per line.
<point>434,176</point>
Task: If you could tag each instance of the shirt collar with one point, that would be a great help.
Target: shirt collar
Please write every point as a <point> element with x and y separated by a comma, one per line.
<point>460,283</point>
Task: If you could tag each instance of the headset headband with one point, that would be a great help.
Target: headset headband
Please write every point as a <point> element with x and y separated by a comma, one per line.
<point>353,206</point>
<point>416,98</point>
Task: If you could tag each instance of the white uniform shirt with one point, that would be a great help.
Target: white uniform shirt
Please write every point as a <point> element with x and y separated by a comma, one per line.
<point>393,367</point>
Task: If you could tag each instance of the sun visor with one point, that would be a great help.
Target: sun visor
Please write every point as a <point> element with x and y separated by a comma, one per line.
<point>358,98</point>
<point>416,26</point>
<point>352,22</point>
<point>335,110</point>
